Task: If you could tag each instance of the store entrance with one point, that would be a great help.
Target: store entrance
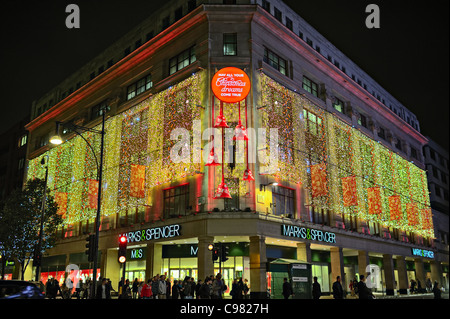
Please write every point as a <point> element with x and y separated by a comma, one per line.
<point>181,273</point>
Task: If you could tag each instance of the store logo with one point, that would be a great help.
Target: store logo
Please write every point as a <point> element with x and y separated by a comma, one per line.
<point>308,233</point>
<point>169,231</point>
<point>137,253</point>
<point>423,253</point>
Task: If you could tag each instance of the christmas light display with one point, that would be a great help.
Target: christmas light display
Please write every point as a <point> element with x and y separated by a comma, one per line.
<point>363,178</point>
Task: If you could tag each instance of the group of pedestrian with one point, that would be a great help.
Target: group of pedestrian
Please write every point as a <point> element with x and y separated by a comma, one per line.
<point>160,287</point>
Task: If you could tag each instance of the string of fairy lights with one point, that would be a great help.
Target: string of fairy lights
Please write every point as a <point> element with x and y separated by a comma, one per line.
<point>307,135</point>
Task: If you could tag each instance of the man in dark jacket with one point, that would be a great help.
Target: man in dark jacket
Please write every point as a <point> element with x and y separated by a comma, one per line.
<point>363,291</point>
<point>338,292</point>
<point>205,292</point>
<point>316,291</point>
<point>287,289</point>
<point>103,290</point>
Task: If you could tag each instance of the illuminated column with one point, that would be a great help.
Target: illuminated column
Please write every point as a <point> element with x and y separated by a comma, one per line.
<point>153,260</point>
<point>436,273</point>
<point>420,271</point>
<point>337,265</point>
<point>258,267</point>
<point>109,265</point>
<point>402,284</point>
<point>389,278</point>
<point>304,252</point>
<point>204,257</point>
<point>363,262</point>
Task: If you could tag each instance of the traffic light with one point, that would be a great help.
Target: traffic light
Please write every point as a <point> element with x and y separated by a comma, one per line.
<point>215,253</point>
<point>122,249</point>
<point>224,251</point>
<point>90,245</point>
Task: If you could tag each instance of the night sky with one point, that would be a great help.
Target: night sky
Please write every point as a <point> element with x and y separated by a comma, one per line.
<point>408,55</point>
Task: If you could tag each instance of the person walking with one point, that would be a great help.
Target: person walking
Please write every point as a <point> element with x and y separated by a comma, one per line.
<point>287,289</point>
<point>103,290</point>
<point>217,287</point>
<point>205,289</point>
<point>146,292</point>
<point>316,291</point>
<point>135,288</point>
<point>437,291</point>
<point>338,292</point>
<point>246,289</point>
<point>155,286</point>
<point>197,289</point>
<point>175,290</point>
<point>363,291</point>
<point>162,288</point>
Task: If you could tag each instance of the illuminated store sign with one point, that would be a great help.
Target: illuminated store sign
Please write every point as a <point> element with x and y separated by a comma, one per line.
<point>423,253</point>
<point>230,85</point>
<point>308,233</point>
<point>169,231</point>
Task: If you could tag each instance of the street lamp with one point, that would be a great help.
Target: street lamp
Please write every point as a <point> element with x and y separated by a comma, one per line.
<point>56,139</point>
<point>38,253</point>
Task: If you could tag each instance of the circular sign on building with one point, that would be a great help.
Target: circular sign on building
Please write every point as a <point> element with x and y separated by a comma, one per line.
<point>230,85</point>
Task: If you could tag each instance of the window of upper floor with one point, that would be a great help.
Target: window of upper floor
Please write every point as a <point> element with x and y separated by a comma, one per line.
<point>310,86</point>
<point>140,86</point>
<point>275,61</point>
<point>182,60</point>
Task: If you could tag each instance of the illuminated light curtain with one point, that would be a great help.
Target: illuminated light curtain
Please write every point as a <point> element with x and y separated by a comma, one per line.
<point>137,181</point>
<point>61,200</point>
<point>319,180</point>
<point>349,191</point>
<point>93,193</point>
<point>427,218</point>
<point>412,213</point>
<point>395,207</point>
<point>374,200</point>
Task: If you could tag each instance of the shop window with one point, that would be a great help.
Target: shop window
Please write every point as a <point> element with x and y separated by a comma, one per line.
<point>283,201</point>
<point>176,201</point>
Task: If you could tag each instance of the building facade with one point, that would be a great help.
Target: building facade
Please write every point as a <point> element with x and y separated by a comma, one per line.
<point>338,178</point>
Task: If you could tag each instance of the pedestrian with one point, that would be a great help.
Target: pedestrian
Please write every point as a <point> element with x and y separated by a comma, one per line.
<point>175,290</point>
<point>316,291</point>
<point>162,287</point>
<point>287,289</point>
<point>146,291</point>
<point>363,291</point>
<point>103,290</point>
<point>135,288</point>
<point>204,291</point>
<point>413,286</point>
<point>126,291</point>
<point>246,289</point>
<point>192,284</point>
<point>141,284</point>
<point>197,288</point>
<point>428,285</point>
<point>233,291</point>
<point>217,287</point>
<point>168,288</point>
<point>155,286</point>
<point>338,292</point>
<point>352,286</point>
<point>419,286</point>
<point>187,288</point>
<point>437,291</point>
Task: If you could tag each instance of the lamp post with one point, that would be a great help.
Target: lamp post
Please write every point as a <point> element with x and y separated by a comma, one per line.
<point>58,140</point>
<point>41,228</point>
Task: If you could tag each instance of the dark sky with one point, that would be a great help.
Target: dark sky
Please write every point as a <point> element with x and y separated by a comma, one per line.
<point>408,55</point>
